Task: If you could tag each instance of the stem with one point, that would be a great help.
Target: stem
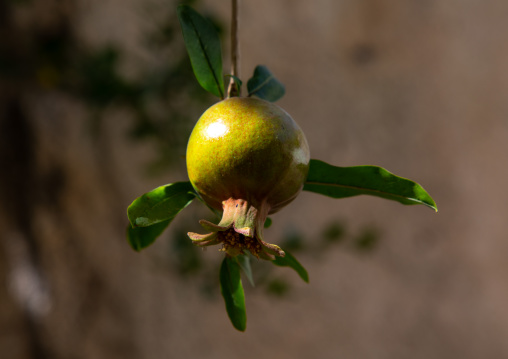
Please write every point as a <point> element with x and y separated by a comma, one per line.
<point>233,89</point>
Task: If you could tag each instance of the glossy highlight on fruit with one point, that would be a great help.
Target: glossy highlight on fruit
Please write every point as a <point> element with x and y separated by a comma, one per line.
<point>247,158</point>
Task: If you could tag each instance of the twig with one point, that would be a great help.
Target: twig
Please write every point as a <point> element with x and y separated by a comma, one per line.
<point>233,89</point>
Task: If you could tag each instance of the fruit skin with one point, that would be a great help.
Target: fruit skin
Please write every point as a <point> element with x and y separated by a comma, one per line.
<point>248,150</point>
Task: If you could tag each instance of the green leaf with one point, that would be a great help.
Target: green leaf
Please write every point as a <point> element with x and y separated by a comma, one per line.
<point>268,222</point>
<point>264,85</point>
<point>204,49</point>
<point>232,291</point>
<point>289,261</point>
<point>161,204</point>
<point>237,81</point>
<point>342,182</point>
<point>243,261</point>
<point>142,237</point>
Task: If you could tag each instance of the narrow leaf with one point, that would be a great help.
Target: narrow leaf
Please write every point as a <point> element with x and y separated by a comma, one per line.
<point>142,237</point>
<point>289,261</point>
<point>204,49</point>
<point>342,182</point>
<point>243,261</point>
<point>264,85</point>
<point>237,81</point>
<point>161,204</point>
<point>232,291</point>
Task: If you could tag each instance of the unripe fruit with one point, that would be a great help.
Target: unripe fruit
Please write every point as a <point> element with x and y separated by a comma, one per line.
<point>248,158</point>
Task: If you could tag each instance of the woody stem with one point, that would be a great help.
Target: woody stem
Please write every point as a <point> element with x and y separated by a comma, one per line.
<point>233,89</point>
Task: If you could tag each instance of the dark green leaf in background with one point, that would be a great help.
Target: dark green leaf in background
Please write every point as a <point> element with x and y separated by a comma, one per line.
<point>289,261</point>
<point>232,291</point>
<point>142,237</point>
<point>161,204</point>
<point>203,45</point>
<point>342,182</point>
<point>264,85</point>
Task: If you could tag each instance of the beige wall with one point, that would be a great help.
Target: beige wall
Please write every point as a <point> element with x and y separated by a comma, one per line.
<point>419,88</point>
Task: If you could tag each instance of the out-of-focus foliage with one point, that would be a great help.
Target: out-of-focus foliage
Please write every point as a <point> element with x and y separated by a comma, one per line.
<point>52,57</point>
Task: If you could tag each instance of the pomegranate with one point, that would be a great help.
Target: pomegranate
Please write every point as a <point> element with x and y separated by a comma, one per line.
<point>247,158</point>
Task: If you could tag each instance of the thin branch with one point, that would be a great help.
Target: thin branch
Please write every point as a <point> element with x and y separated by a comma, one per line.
<point>233,89</point>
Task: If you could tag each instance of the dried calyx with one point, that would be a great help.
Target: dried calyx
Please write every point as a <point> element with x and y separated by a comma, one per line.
<point>240,230</point>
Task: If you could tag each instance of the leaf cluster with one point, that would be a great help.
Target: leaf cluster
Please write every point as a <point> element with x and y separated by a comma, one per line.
<point>203,46</point>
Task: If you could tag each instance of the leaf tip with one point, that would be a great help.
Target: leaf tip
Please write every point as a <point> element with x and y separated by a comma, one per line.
<point>241,328</point>
<point>136,249</point>
<point>432,205</point>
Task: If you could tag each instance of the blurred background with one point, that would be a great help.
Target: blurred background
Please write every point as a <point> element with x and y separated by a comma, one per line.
<point>97,100</point>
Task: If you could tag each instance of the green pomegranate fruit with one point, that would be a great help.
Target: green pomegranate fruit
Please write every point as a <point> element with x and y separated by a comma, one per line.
<point>247,158</point>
